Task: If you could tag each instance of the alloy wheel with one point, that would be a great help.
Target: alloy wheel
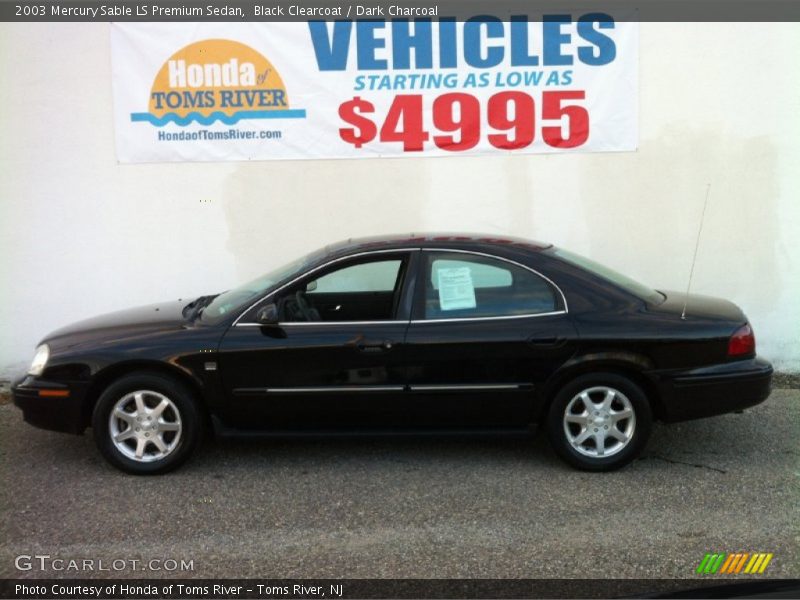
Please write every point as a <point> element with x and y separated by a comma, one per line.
<point>145,426</point>
<point>599,421</point>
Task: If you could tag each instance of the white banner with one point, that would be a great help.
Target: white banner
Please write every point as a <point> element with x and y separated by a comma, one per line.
<point>261,91</point>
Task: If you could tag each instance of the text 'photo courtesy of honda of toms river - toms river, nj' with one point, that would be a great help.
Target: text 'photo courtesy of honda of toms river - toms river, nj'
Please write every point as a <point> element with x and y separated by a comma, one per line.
<point>427,334</point>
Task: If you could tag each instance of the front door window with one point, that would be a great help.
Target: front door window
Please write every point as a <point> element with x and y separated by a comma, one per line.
<point>363,291</point>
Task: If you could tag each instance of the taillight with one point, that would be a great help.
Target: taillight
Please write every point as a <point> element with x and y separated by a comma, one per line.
<point>742,342</point>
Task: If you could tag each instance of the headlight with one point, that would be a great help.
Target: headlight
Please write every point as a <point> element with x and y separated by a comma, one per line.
<point>39,360</point>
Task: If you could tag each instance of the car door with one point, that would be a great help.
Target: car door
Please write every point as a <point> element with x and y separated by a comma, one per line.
<point>486,333</point>
<point>336,357</point>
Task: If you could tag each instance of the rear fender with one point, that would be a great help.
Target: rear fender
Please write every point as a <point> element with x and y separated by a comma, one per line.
<point>632,365</point>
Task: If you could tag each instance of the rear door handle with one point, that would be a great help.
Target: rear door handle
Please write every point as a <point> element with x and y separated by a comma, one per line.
<point>547,342</point>
<point>374,345</point>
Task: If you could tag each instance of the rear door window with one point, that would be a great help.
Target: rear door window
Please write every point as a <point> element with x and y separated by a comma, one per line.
<point>461,285</point>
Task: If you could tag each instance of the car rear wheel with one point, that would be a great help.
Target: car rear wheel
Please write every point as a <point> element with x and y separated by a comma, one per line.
<point>146,423</point>
<point>599,422</point>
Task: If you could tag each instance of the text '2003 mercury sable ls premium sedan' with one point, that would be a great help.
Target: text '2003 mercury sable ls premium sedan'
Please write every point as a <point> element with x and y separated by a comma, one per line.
<point>422,333</point>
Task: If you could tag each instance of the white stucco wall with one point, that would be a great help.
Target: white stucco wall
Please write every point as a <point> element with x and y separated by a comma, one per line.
<point>81,235</point>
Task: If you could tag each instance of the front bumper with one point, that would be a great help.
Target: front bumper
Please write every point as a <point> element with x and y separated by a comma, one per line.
<point>51,405</point>
<point>715,390</point>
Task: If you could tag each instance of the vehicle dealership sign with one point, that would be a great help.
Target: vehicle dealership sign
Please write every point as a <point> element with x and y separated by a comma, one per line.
<point>370,88</point>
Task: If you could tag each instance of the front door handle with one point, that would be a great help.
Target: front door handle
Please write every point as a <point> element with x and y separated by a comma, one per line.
<point>374,345</point>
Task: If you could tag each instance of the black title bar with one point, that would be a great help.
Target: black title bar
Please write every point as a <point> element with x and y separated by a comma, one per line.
<point>347,589</point>
<point>304,10</point>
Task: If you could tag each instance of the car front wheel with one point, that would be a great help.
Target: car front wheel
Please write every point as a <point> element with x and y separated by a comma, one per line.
<point>599,422</point>
<point>146,423</point>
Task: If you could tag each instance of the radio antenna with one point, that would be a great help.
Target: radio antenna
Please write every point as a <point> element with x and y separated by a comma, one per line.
<point>696,246</point>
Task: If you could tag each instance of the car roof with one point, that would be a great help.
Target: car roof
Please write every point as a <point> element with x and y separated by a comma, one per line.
<point>473,241</point>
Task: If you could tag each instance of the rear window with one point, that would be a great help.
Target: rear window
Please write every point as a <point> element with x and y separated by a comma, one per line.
<point>631,286</point>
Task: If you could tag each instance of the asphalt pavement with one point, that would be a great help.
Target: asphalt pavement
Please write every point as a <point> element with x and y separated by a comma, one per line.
<point>410,508</point>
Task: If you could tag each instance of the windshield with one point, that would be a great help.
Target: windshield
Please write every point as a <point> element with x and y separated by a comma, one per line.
<point>236,298</point>
<point>634,287</point>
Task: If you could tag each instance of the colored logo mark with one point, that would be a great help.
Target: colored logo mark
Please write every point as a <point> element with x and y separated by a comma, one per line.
<point>217,80</point>
<point>740,562</point>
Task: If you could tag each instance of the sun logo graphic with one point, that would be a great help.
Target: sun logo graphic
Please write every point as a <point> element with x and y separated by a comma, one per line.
<point>217,80</point>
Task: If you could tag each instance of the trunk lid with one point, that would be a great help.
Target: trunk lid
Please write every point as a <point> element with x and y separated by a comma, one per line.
<point>699,306</point>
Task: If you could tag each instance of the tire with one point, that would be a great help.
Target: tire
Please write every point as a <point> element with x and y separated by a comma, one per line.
<point>576,433</point>
<point>155,439</point>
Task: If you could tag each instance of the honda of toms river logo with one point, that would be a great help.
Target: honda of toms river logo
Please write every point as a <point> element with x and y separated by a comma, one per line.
<point>217,80</point>
<point>722,563</point>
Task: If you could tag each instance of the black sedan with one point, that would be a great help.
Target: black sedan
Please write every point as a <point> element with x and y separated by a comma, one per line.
<point>425,334</point>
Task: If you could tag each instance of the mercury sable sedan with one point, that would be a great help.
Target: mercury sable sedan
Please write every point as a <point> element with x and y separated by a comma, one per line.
<point>429,334</point>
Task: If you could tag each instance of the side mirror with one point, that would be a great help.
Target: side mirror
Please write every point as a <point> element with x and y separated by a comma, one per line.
<point>267,315</point>
<point>311,286</point>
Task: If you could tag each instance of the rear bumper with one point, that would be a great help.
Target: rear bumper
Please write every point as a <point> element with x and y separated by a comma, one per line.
<point>50,405</point>
<point>715,390</point>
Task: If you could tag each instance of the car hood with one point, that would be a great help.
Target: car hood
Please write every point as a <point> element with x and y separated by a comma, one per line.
<point>121,324</point>
<point>697,305</point>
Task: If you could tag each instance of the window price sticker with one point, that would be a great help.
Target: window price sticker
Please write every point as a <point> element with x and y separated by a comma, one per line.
<point>456,291</point>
